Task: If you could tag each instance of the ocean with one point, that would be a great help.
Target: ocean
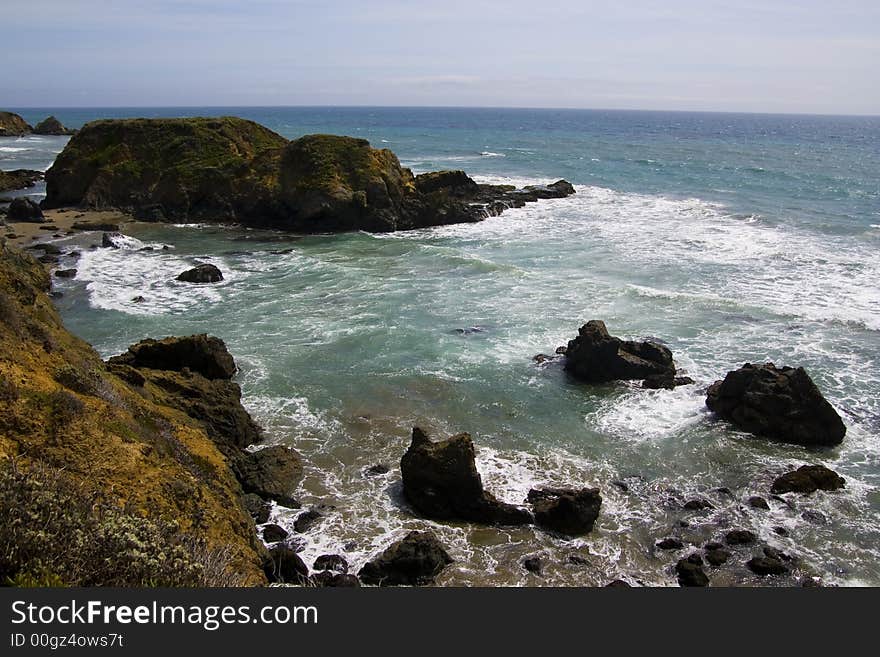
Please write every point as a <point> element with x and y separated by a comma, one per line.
<point>732,238</point>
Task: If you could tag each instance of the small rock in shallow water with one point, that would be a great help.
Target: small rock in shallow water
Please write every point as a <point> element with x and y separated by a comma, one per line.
<point>757,502</point>
<point>204,273</point>
<point>566,510</point>
<point>274,533</point>
<point>690,571</point>
<point>740,537</point>
<point>376,470</point>
<point>670,544</point>
<point>815,517</point>
<point>334,562</point>
<point>415,560</point>
<point>808,479</point>
<point>578,560</point>
<point>533,565</point>
<point>781,531</point>
<point>617,584</point>
<point>65,273</point>
<point>766,566</point>
<point>285,565</point>
<point>305,521</point>
<point>717,556</point>
<point>698,505</point>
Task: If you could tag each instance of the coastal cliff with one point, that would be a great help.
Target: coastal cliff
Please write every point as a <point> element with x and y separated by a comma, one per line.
<point>105,458</point>
<point>229,170</point>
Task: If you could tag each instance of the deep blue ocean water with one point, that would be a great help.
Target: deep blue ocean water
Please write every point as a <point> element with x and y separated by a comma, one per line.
<point>731,237</point>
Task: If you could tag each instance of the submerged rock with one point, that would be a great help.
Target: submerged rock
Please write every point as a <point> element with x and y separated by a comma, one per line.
<point>272,473</point>
<point>778,403</point>
<point>566,510</point>
<point>758,502</point>
<point>25,210</point>
<point>669,544</point>
<point>440,479</point>
<point>595,357</point>
<point>808,479</point>
<point>65,273</point>
<point>766,566</point>
<point>204,273</point>
<point>413,561</point>
<point>740,537</point>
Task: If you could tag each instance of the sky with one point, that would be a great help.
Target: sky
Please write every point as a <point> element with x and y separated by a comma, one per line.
<point>809,56</point>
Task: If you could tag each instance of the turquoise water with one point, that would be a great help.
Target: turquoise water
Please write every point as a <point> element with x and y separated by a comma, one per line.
<point>732,238</point>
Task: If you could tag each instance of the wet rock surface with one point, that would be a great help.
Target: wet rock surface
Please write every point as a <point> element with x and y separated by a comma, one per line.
<point>413,561</point>
<point>595,356</point>
<point>566,510</point>
<point>778,403</point>
<point>808,479</point>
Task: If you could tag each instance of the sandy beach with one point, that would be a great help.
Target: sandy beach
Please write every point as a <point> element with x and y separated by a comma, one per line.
<point>60,223</point>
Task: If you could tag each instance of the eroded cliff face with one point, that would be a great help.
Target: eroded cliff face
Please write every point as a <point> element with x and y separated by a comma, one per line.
<point>62,409</point>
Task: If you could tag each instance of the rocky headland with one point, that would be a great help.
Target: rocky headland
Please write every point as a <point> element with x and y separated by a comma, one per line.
<point>229,170</point>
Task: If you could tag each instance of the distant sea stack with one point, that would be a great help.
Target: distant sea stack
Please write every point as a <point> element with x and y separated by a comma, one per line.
<point>228,170</point>
<point>52,126</point>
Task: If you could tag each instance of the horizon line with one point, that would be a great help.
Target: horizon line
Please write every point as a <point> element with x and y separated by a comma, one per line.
<point>446,107</point>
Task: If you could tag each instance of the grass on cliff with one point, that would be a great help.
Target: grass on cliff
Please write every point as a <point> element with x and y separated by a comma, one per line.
<point>53,532</point>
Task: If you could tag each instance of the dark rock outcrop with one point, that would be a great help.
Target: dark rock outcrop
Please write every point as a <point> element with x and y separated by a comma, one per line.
<point>204,273</point>
<point>18,179</point>
<point>333,562</point>
<point>808,479</point>
<point>192,374</point>
<point>740,537</point>
<point>566,510</point>
<point>206,355</point>
<point>533,565</point>
<point>25,210</point>
<point>666,381</point>
<point>274,533</point>
<point>669,544</point>
<point>285,566</point>
<point>778,403</point>
<point>272,473</point>
<point>306,520</point>
<point>52,126</point>
<point>413,561</point>
<point>230,170</point>
<point>690,571</point>
<point>595,357</point>
<point>12,125</point>
<point>766,566</point>
<point>440,479</point>
<point>65,273</point>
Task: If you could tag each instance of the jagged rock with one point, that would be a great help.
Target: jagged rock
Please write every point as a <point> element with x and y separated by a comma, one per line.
<point>285,566</point>
<point>566,510</point>
<point>18,179</point>
<point>51,126</point>
<point>690,571</point>
<point>441,481</point>
<point>204,273</point>
<point>200,353</point>
<point>274,533</point>
<point>25,210</point>
<point>595,356</point>
<point>12,125</point>
<point>778,403</point>
<point>740,537</point>
<point>814,517</point>
<point>456,183</point>
<point>333,562</point>
<point>272,473</point>
<point>415,560</point>
<point>808,479</point>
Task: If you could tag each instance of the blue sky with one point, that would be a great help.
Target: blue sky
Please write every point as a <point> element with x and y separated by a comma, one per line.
<point>770,56</point>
